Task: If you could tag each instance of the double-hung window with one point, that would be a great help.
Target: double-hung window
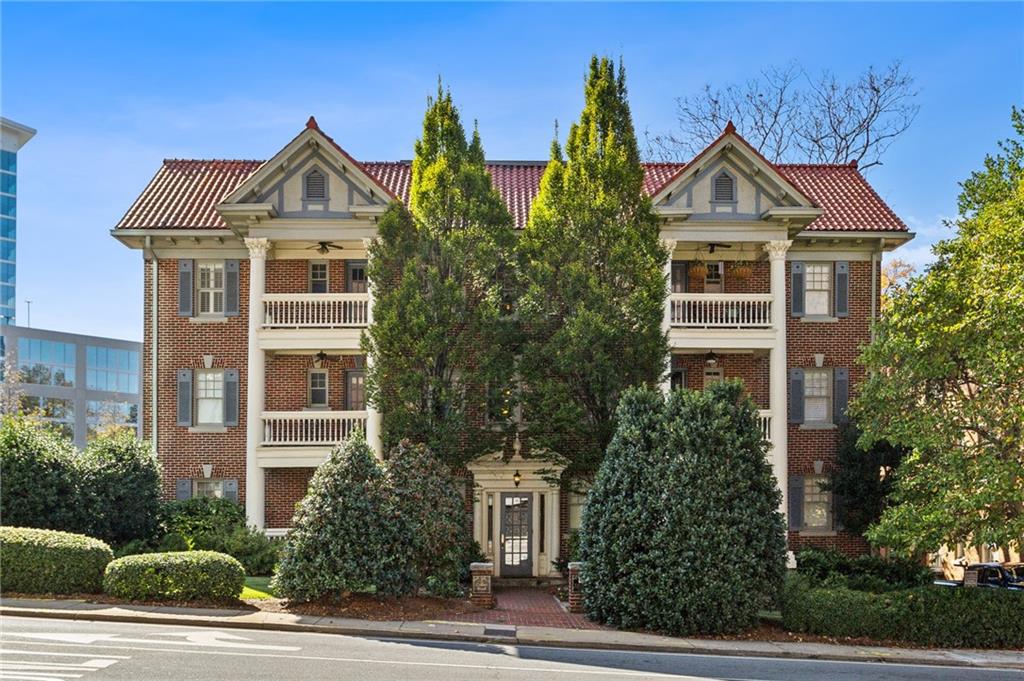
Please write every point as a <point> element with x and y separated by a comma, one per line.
<point>205,487</point>
<point>818,291</point>
<point>318,388</point>
<point>318,277</point>
<point>209,397</point>
<point>817,396</point>
<point>817,504</point>
<point>210,288</point>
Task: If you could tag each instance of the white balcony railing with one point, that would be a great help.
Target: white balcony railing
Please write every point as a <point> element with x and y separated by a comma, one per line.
<point>764,417</point>
<point>310,428</point>
<point>315,310</point>
<point>721,310</point>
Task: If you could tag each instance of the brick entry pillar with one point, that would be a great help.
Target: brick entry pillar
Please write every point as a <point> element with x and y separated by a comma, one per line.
<point>575,587</point>
<point>480,592</point>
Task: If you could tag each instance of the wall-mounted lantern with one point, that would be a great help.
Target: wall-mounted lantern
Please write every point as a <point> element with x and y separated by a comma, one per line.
<point>517,478</point>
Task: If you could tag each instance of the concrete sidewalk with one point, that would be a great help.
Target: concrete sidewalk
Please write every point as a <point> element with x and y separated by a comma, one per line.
<point>602,639</point>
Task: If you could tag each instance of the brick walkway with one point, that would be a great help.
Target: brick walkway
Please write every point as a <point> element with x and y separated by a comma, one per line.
<point>529,607</point>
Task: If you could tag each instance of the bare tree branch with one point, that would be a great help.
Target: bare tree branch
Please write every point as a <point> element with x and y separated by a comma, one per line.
<point>789,117</point>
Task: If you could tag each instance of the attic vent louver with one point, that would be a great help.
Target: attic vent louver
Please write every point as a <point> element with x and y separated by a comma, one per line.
<point>316,185</point>
<point>724,189</point>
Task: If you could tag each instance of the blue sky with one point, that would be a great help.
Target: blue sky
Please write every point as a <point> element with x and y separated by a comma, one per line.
<point>115,88</point>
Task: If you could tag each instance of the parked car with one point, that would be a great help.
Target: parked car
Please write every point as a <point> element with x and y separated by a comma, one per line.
<point>1017,569</point>
<point>989,576</point>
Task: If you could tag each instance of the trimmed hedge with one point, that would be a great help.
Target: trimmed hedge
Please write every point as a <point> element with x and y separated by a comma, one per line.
<point>830,568</point>
<point>927,616</point>
<point>183,575</point>
<point>47,561</point>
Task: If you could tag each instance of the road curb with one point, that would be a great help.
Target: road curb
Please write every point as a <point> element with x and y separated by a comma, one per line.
<point>384,633</point>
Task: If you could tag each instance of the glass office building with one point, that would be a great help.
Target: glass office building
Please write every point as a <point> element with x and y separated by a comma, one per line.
<point>12,137</point>
<point>80,385</point>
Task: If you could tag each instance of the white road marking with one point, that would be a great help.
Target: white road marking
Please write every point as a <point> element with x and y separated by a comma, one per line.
<point>206,638</point>
<point>406,663</point>
<point>8,651</point>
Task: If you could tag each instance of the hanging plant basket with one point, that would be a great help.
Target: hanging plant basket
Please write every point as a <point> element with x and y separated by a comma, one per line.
<point>743,270</point>
<point>698,270</point>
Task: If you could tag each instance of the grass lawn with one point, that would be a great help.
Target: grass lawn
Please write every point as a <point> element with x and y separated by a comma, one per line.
<point>256,587</point>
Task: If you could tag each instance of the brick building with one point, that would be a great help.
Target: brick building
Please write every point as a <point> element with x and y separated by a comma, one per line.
<point>256,296</point>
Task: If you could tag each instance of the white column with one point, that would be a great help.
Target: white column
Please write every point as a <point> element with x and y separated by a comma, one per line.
<point>777,366</point>
<point>666,322</point>
<point>373,417</point>
<point>256,380</point>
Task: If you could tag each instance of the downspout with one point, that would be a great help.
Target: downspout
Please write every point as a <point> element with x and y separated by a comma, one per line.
<point>153,311</point>
<point>874,291</point>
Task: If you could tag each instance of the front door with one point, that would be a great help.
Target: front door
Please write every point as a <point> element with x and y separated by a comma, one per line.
<point>516,535</point>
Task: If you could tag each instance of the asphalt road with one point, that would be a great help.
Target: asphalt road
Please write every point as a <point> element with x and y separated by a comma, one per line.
<point>62,650</point>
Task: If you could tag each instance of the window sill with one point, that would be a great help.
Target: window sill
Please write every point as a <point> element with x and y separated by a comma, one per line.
<point>817,533</point>
<point>207,429</point>
<point>208,320</point>
<point>817,426</point>
<point>819,318</point>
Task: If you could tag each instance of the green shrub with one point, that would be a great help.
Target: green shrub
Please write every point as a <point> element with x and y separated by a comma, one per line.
<point>828,567</point>
<point>427,498</point>
<point>41,481</point>
<point>252,548</point>
<point>122,477</point>
<point>187,575</point>
<point>47,561</point>
<point>202,516</point>
<point>682,481</point>
<point>346,534</point>
<point>928,616</point>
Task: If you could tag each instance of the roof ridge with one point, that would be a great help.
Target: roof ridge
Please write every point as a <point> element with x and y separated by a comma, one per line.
<point>213,160</point>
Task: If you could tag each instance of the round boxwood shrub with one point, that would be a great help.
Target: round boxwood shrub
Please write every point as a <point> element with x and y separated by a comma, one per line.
<point>685,482</point>
<point>41,485</point>
<point>179,576</point>
<point>48,561</point>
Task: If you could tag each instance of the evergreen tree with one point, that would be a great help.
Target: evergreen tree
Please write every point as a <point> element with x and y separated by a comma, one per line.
<point>440,336</point>
<point>592,266</point>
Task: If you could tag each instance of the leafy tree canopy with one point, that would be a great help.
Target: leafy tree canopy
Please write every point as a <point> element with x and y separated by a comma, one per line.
<point>439,335</point>
<point>592,267</point>
<point>947,375</point>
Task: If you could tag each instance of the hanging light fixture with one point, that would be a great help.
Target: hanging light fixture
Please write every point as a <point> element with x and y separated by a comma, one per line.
<point>517,478</point>
<point>711,359</point>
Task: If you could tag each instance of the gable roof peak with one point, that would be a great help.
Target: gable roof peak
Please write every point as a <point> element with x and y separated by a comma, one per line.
<point>311,124</point>
<point>729,128</point>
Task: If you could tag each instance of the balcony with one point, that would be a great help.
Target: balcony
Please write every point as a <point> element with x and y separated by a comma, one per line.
<point>322,321</point>
<point>721,310</point>
<point>315,310</point>
<point>720,320</point>
<point>764,419</point>
<point>305,438</point>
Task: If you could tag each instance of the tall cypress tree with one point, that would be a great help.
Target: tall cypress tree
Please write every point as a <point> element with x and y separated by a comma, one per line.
<point>592,267</point>
<point>439,336</point>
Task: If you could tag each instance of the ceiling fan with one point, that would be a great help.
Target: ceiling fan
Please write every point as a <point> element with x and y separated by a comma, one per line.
<point>713,245</point>
<point>324,247</point>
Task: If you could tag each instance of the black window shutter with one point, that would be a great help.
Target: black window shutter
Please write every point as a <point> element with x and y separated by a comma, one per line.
<point>797,287</point>
<point>184,397</point>
<point>796,502</point>
<point>185,288</point>
<point>183,489</point>
<point>230,288</point>
<point>231,397</point>
<point>840,394</point>
<point>842,289</point>
<point>796,395</point>
<point>230,488</point>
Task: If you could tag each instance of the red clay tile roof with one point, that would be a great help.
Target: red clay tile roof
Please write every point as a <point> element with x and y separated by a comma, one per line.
<point>184,193</point>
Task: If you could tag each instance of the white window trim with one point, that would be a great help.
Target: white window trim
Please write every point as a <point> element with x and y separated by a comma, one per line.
<point>327,273</point>
<point>828,529</point>
<point>309,390</point>
<point>200,264</point>
<point>826,424</point>
<point>212,426</point>
<point>829,291</point>
<point>348,392</point>
<point>197,481</point>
